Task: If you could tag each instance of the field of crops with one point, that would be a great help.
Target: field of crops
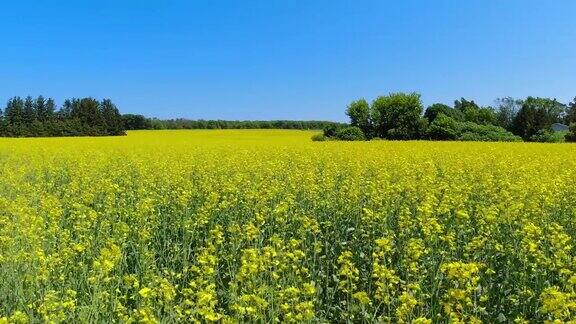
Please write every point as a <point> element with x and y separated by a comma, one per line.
<point>236,226</point>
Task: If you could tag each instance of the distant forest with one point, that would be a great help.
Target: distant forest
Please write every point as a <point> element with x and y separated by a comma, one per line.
<point>397,116</point>
<point>136,122</point>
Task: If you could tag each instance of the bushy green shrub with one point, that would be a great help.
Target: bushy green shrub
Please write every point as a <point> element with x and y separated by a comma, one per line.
<point>318,138</point>
<point>447,128</point>
<point>469,131</point>
<point>548,136</point>
<point>330,130</point>
<point>351,133</point>
<point>443,128</point>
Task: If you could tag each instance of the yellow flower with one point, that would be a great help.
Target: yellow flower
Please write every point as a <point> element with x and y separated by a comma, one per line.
<point>145,292</point>
<point>362,297</point>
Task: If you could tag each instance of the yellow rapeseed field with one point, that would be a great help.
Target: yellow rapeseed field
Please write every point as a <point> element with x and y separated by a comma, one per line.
<point>268,226</point>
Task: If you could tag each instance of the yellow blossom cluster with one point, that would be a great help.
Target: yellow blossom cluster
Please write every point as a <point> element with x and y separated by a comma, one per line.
<point>236,226</point>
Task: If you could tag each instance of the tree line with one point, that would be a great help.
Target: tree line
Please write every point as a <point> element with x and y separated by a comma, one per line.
<point>140,122</point>
<point>40,117</point>
<point>401,116</point>
<point>397,116</point>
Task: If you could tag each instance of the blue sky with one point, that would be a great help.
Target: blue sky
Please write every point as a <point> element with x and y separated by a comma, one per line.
<point>269,59</point>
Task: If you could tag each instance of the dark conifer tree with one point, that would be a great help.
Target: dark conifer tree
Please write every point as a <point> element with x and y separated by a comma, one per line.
<point>14,111</point>
<point>87,110</point>
<point>50,109</point>
<point>40,108</point>
<point>29,112</point>
<point>65,111</point>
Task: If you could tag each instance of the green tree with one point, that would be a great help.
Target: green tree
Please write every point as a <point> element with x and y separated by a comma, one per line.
<point>44,108</point>
<point>40,108</point>
<point>29,113</point>
<point>438,108</point>
<point>398,116</point>
<point>571,136</point>
<point>537,114</point>
<point>132,122</point>
<point>473,113</point>
<point>359,113</point>
<point>50,108</point>
<point>14,111</point>
<point>87,111</point>
<point>65,111</point>
<point>464,105</point>
<point>506,110</point>
<point>112,118</point>
<point>571,113</point>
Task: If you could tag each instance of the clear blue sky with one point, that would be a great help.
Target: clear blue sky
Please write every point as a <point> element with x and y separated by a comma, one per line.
<point>271,59</point>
